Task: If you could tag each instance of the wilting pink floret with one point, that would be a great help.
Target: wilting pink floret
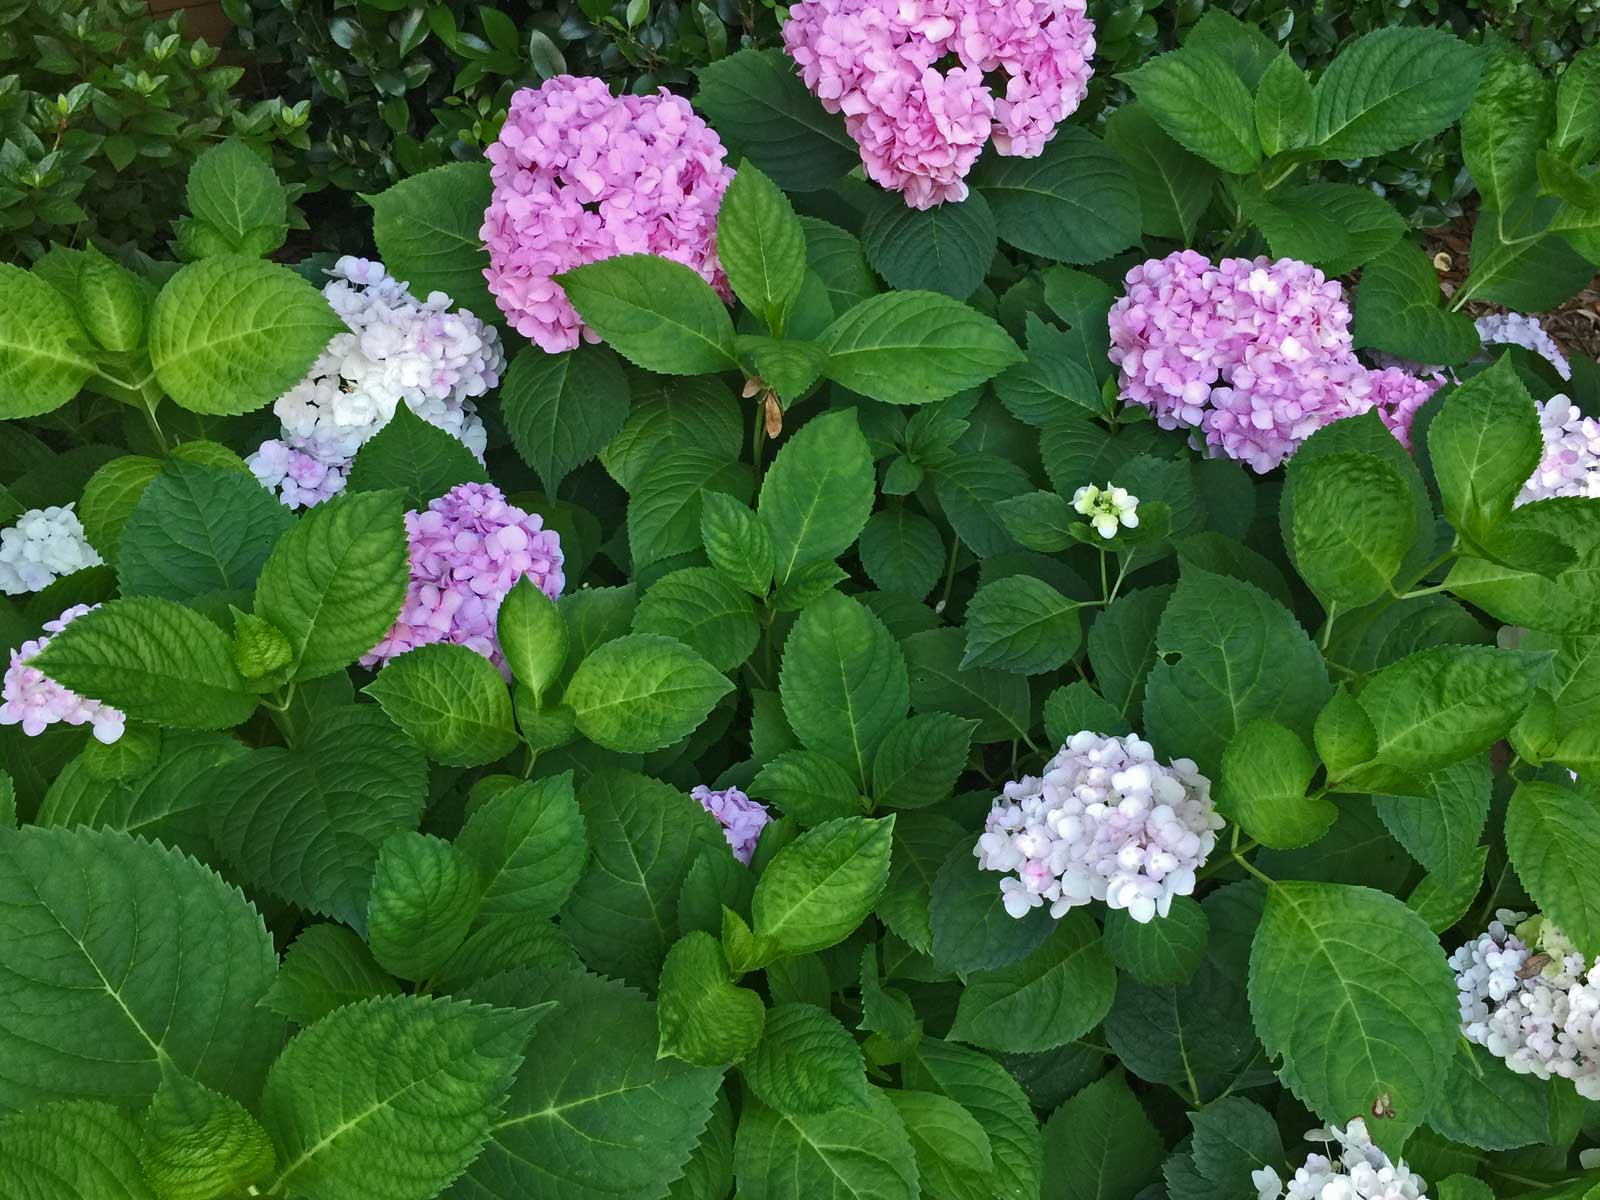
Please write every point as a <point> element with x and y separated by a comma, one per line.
<point>581,175</point>
<point>1254,354</point>
<point>31,700</point>
<point>468,549</point>
<point>920,123</point>
<point>741,817</point>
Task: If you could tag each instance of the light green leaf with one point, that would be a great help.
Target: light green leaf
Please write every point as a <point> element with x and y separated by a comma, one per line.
<point>417,459</point>
<point>914,347</point>
<point>705,1020</point>
<point>642,692</point>
<point>1052,383</point>
<point>817,494</point>
<point>1284,107</point>
<point>424,897</point>
<point>736,542</point>
<point>1053,996</point>
<point>200,1145</point>
<point>533,636</point>
<point>664,509</point>
<point>1578,106</point>
<point>838,1155</point>
<point>121,958</point>
<point>1021,624</point>
<point>1391,88</point>
<point>761,245</point>
<point>1551,832</point>
<point>704,610</point>
<point>1569,603</point>
<point>806,1062</point>
<point>231,334</point>
<point>1201,102</point>
<point>1509,119</point>
<point>1100,1145</point>
<point>325,968</point>
<point>1076,707</point>
<point>428,232</point>
<point>954,1159</point>
<point>235,192</point>
<point>335,582</point>
<point>991,1094</point>
<point>1266,770</point>
<point>528,844</point>
<point>1484,445</point>
<point>43,350</point>
<point>1174,186</point>
<point>1353,525</point>
<point>1076,202</point>
<point>1397,310</point>
<point>810,787</point>
<point>947,248</point>
<point>71,1150</point>
<point>563,409</point>
<point>822,885</point>
<point>113,303</point>
<point>654,312</point>
<point>1441,825</point>
<point>1160,953</point>
<point>451,701</point>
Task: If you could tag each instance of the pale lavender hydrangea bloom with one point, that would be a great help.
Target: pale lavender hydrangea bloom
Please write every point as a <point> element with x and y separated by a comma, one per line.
<point>911,78</point>
<point>468,549</point>
<point>299,479</point>
<point>1518,329</point>
<point>1570,465</point>
<point>1361,1171</point>
<point>741,818</point>
<point>1397,394</point>
<point>35,702</point>
<point>1106,821</point>
<point>44,545</point>
<point>581,175</point>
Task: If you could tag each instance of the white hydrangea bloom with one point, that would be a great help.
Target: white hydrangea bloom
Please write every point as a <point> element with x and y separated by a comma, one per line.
<point>398,349</point>
<point>1570,465</point>
<point>1361,1171</point>
<point>1517,329</point>
<point>1107,508</point>
<point>1104,822</point>
<point>44,545</point>
<point>1530,999</point>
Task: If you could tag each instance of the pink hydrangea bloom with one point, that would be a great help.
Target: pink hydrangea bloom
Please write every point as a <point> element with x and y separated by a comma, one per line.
<point>581,175</point>
<point>299,479</point>
<point>35,702</point>
<point>1255,355</point>
<point>1570,465</point>
<point>1397,395</point>
<point>922,121</point>
<point>468,549</point>
<point>741,818</point>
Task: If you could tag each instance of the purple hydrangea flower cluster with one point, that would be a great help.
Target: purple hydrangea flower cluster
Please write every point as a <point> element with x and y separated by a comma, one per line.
<point>35,702</point>
<point>1106,821</point>
<point>468,549</point>
<point>741,818</point>
<point>44,545</point>
<point>581,175</point>
<point>1570,465</point>
<point>1397,394</point>
<point>909,77</point>
<point>1359,1171</point>
<point>1256,355</point>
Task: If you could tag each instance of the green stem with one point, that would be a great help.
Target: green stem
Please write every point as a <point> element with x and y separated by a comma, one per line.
<point>1327,626</point>
<point>950,574</point>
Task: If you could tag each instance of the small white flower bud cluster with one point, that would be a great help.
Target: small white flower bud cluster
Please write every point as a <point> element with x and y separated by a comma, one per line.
<point>399,348</point>
<point>1107,508</point>
<point>1529,997</point>
<point>44,545</point>
<point>1104,822</point>
<point>1360,1172</point>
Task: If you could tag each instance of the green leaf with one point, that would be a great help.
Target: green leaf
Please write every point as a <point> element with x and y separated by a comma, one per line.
<point>1391,88</point>
<point>1052,383</point>
<point>972,931</point>
<point>198,529</point>
<point>1240,655</point>
<point>1567,603</point>
<point>947,248</point>
<point>669,416</point>
<point>231,334</point>
<point>427,229</point>
<point>810,787</point>
<point>841,1154</point>
<point>415,458</point>
<point>121,957</point>
<point>822,885</point>
<point>954,1159</point>
<point>325,968</point>
<point>1578,106</point>
<point>702,609</point>
<point>1441,825</point>
<point>1201,102</point>
<point>806,1062</point>
<point>1352,967</point>
<point>1163,952</point>
<point>654,312</point>
<point>449,699</point>
<point>424,897</point>
<point>199,1145</point>
<point>1122,645</point>
<point>563,409</point>
<point>69,1150</point>
<point>113,303</point>
<point>43,351</point>
<point>789,367</point>
<point>1549,831</point>
<point>843,681</point>
<point>902,551</point>
<point>1484,445</point>
<point>1173,185</point>
<point>1397,310</point>
<point>989,1092</point>
<point>1353,524</point>
<point>758,103</point>
<point>1441,900</point>
<point>391,1097</point>
<point>335,582</point>
<point>1514,266</point>
<point>1100,1145</point>
<point>708,1175</point>
<point>705,1020</point>
<point>970,490</point>
<point>1266,770</point>
<point>817,494</point>
<point>1076,202</point>
<point>1053,996</point>
<point>1039,521</point>
<point>528,845</point>
<point>912,347</point>
<point>761,245</point>
<point>235,192</point>
<point>1240,44</point>
<point>1368,224</point>
<point>153,659</point>
<point>1284,108</point>
<point>642,692</point>
<point>533,636</point>
<point>306,823</point>
<point>922,842</point>
<point>1484,1104</point>
<point>999,701</point>
<point>920,759</point>
<point>1509,119</point>
<point>664,509</point>
<point>736,542</point>
<point>1023,625</point>
<point>1233,1137</point>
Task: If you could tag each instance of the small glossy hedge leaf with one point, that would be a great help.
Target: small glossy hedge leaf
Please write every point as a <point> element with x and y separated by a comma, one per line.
<point>1160,953</point>
<point>563,409</point>
<point>1198,98</point>
<point>335,582</point>
<point>528,844</point>
<point>705,611</point>
<point>761,245</point>
<point>1323,972</point>
<point>953,1155</point>
<point>1484,445</point>
<point>325,968</point>
<point>121,957</point>
<point>1397,310</point>
<point>1056,994</point>
<point>44,357</point>
<point>1021,624</point>
<point>1174,185</point>
<point>654,312</point>
<point>844,1152</point>
<point>705,1020</point>
<point>757,102</point>
<point>428,232</point>
<point>817,494</point>
<point>902,551</point>
<point>1353,525</point>
<point>806,1062</point>
<point>231,334</point>
<point>155,660</point>
<point>451,700</point>
<point>391,1097</point>
<point>1552,834</point>
<point>642,692</point>
<point>424,897</point>
<point>1100,1143</point>
<point>947,248</point>
<point>810,787</point>
<point>1391,88</point>
<point>920,759</point>
<point>915,347</point>
<point>822,885</point>
<point>1075,203</point>
<point>197,1144</point>
<point>1266,770</point>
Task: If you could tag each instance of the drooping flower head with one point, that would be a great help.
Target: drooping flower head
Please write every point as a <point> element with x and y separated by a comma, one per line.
<point>1108,508</point>
<point>468,549</point>
<point>1105,821</point>
<point>581,175</point>
<point>1358,1171</point>
<point>398,349</point>
<point>742,818</point>
<point>1570,464</point>
<point>44,545</point>
<point>35,702</point>
<point>913,80</point>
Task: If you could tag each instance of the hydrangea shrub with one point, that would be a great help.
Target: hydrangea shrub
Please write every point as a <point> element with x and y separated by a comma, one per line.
<point>689,676</point>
